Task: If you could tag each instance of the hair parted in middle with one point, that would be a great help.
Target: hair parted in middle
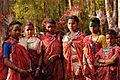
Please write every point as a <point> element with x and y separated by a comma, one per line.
<point>73,17</point>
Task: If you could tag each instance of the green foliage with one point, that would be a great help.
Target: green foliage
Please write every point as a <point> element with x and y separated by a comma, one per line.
<point>37,10</point>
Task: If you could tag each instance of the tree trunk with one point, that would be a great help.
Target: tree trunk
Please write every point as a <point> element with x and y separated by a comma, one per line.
<point>119,14</point>
<point>112,19</point>
<point>59,10</point>
<point>70,4</point>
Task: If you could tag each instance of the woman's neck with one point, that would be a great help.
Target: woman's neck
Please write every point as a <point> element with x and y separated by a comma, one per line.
<point>94,35</point>
<point>27,37</point>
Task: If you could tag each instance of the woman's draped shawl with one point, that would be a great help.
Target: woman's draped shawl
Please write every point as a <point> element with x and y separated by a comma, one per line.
<point>90,49</point>
<point>3,68</point>
<point>20,58</point>
<point>52,48</point>
<point>33,45</point>
<point>111,72</point>
<point>77,44</point>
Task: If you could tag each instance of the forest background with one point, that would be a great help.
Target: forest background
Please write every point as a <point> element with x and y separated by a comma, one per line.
<point>37,10</point>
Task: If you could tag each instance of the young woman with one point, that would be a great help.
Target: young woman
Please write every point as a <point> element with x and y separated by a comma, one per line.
<point>108,59</point>
<point>32,44</point>
<point>50,59</point>
<point>72,50</point>
<point>93,43</point>
<point>15,55</point>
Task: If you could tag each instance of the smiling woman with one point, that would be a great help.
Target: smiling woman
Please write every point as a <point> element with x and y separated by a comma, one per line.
<point>12,52</point>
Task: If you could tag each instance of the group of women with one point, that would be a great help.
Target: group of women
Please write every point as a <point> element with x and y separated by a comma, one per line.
<point>75,56</point>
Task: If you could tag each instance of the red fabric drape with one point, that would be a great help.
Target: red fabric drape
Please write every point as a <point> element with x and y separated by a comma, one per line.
<point>111,72</point>
<point>89,54</point>
<point>3,68</point>
<point>52,47</point>
<point>77,42</point>
<point>20,58</point>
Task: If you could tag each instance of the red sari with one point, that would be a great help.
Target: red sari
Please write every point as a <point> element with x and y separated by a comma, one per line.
<point>20,59</point>
<point>90,49</point>
<point>111,72</point>
<point>77,44</point>
<point>52,48</point>
<point>3,68</point>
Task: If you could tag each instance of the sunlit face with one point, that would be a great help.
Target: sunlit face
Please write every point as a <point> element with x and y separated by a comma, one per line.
<point>50,27</point>
<point>29,30</point>
<point>110,40</point>
<point>72,24</point>
<point>93,29</point>
<point>15,32</point>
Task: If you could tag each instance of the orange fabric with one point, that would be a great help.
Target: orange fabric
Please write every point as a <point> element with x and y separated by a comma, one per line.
<point>77,42</point>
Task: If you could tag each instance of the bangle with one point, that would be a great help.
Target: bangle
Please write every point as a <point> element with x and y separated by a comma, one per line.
<point>17,69</point>
<point>84,63</point>
<point>104,61</point>
<point>38,68</point>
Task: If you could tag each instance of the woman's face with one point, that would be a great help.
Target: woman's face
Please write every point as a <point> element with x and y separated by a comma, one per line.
<point>72,24</point>
<point>93,29</point>
<point>110,40</point>
<point>15,32</point>
<point>29,30</point>
<point>50,27</point>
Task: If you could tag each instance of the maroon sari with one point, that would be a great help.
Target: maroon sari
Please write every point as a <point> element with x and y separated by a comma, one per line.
<point>52,48</point>
<point>110,72</point>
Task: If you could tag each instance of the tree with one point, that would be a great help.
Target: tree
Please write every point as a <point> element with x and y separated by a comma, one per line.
<point>111,12</point>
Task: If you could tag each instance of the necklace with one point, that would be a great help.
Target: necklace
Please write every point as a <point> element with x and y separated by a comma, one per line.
<point>108,49</point>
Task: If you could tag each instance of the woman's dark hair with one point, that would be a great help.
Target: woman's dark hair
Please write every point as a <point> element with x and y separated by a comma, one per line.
<point>45,21</point>
<point>29,24</point>
<point>14,22</point>
<point>112,32</point>
<point>73,17</point>
<point>96,20</point>
<point>10,28</point>
<point>50,20</point>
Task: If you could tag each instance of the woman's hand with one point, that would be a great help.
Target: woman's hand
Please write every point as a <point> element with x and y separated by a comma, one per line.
<point>24,73</point>
<point>101,61</point>
<point>54,57</point>
<point>37,73</point>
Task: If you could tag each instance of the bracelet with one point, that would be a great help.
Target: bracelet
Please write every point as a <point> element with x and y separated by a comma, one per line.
<point>38,68</point>
<point>17,69</point>
<point>104,61</point>
<point>84,63</point>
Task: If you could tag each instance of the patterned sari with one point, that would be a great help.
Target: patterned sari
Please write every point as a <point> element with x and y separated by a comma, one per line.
<point>90,49</point>
<point>72,48</point>
<point>52,49</point>
<point>20,58</point>
<point>110,72</point>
